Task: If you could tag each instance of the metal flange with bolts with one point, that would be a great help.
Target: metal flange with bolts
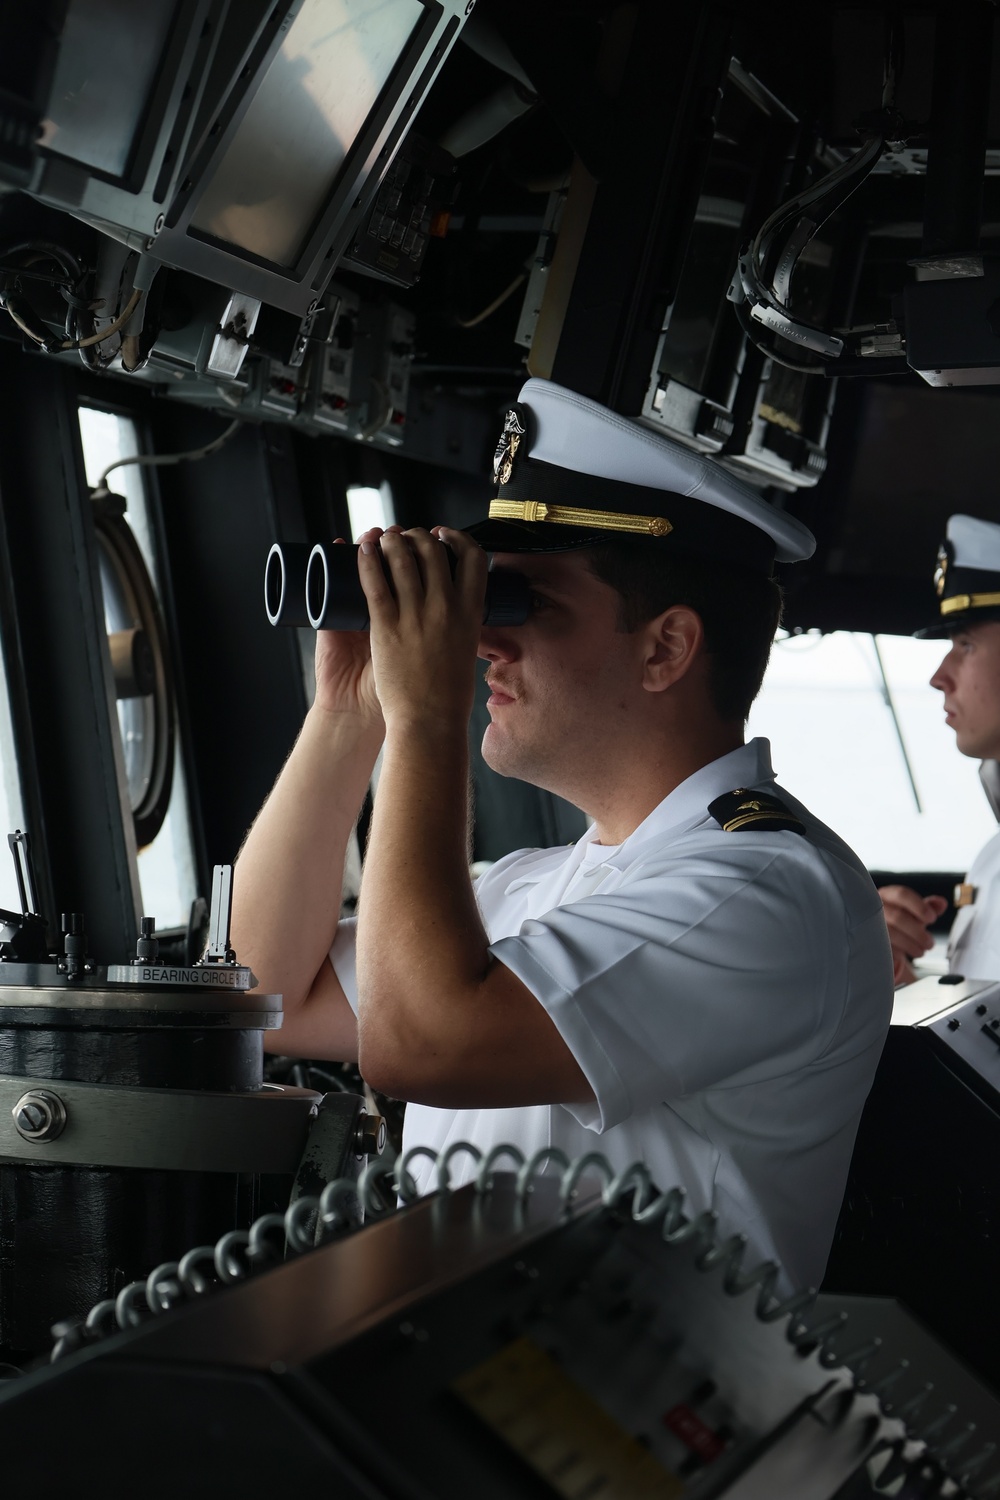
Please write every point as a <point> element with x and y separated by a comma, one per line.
<point>113,1125</point>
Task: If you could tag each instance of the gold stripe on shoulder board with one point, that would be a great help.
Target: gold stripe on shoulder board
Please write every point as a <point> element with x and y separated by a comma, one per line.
<point>734,824</point>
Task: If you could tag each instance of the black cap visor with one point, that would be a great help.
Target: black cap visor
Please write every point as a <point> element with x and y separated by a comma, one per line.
<point>953,624</point>
<point>743,545</point>
<point>534,536</point>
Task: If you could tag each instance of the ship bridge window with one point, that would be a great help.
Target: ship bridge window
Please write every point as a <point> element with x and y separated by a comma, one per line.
<point>11,809</point>
<point>369,507</point>
<point>858,736</point>
<point>140,657</point>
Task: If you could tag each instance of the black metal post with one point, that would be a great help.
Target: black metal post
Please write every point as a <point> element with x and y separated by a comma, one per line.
<point>631,257</point>
<point>58,665</point>
<point>963,57</point>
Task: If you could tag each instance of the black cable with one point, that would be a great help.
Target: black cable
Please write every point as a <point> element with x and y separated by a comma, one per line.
<point>30,274</point>
<point>843,174</point>
<point>895,56</point>
<point>71,268</point>
<point>767,349</point>
<point>31,252</point>
<point>765,267</point>
<point>848,176</point>
<point>80,323</point>
<point>845,367</point>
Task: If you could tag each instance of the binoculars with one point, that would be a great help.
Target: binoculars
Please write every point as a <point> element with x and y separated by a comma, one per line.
<point>319,586</point>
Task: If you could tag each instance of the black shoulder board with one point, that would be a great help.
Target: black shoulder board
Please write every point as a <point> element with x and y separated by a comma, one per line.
<point>759,810</point>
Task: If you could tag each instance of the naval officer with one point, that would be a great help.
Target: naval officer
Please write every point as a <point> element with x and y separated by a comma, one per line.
<point>703,982</point>
<point>967,581</point>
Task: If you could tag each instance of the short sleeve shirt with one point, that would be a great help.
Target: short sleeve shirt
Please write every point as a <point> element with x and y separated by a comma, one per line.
<point>726,995</point>
<point>974,943</point>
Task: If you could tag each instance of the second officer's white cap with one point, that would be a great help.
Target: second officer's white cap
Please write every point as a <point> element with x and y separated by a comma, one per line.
<point>967,576</point>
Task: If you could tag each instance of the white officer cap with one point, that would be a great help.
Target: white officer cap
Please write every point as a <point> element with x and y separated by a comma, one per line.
<point>967,576</point>
<point>571,473</point>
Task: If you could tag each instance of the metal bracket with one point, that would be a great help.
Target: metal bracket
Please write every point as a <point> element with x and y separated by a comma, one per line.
<point>341,1135</point>
<point>232,337</point>
<point>219,950</point>
<point>174,1130</point>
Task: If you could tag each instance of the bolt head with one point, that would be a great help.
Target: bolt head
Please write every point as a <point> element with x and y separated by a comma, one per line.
<point>370,1135</point>
<point>39,1115</point>
<point>31,1117</point>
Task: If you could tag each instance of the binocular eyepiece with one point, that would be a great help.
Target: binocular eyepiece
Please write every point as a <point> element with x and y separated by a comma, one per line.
<point>319,586</point>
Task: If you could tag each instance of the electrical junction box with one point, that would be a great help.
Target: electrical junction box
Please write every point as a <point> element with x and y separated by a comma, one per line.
<point>953,326</point>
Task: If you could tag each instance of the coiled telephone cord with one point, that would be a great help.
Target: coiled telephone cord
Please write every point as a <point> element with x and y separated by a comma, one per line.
<point>630,1194</point>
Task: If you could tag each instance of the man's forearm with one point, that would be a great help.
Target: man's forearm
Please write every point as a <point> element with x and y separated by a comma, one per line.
<point>287,881</point>
<point>440,1020</point>
<point>421,942</point>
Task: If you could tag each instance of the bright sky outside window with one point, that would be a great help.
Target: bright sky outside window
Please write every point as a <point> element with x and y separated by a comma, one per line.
<point>166,866</point>
<point>369,507</point>
<point>11,811</point>
<point>834,745</point>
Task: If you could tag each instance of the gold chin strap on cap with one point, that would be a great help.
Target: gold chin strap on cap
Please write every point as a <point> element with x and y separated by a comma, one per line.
<point>569,515</point>
<point>968,601</point>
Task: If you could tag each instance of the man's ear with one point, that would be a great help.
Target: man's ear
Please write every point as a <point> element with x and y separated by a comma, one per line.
<point>675,640</point>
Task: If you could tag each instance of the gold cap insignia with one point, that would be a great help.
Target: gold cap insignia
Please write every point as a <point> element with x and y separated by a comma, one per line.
<point>514,429</point>
<point>941,571</point>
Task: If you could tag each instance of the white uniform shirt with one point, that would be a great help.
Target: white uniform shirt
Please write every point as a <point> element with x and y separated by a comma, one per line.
<point>727,996</point>
<point>974,942</point>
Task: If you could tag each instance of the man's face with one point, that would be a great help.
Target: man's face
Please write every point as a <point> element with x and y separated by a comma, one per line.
<point>969,678</point>
<point>562,681</point>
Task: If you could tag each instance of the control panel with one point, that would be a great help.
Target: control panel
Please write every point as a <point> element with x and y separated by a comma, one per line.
<point>383,352</point>
<point>924,1001</point>
<point>970,1031</point>
<point>410,207</point>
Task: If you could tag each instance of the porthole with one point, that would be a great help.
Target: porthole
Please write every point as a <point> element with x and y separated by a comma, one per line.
<point>140,660</point>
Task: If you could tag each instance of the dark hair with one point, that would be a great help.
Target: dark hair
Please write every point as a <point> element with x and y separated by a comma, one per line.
<point>740,611</point>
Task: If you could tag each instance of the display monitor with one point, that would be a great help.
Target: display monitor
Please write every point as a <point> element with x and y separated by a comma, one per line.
<point>274,193</point>
<point>123,100</point>
<point>88,122</point>
<point>265,192</point>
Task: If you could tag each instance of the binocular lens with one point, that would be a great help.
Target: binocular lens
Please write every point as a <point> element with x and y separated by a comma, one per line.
<point>335,599</point>
<point>285,583</point>
<point>320,587</point>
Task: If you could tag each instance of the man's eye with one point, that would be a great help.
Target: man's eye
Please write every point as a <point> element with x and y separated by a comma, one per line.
<point>537,602</point>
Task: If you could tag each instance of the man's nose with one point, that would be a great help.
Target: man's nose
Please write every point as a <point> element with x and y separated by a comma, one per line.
<point>497,645</point>
<point>942,678</point>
